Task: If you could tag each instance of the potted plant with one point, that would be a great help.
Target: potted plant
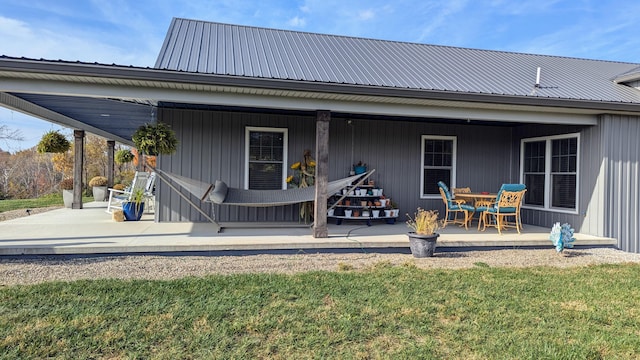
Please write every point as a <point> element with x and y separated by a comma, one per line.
<point>360,168</point>
<point>422,240</point>
<point>395,210</point>
<point>134,208</point>
<point>98,185</point>
<point>124,156</point>
<point>53,142</point>
<point>67,192</point>
<point>155,139</point>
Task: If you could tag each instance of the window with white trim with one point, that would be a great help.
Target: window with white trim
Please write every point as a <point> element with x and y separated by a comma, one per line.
<point>266,156</point>
<point>438,163</point>
<point>550,171</point>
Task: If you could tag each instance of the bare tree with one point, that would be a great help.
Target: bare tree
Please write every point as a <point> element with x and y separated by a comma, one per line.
<point>8,134</point>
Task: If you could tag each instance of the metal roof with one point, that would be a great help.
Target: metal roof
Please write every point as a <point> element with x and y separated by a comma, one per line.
<point>631,75</point>
<point>214,48</point>
<point>239,67</point>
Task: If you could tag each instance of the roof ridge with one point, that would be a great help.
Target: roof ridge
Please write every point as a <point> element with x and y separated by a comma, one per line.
<point>79,62</point>
<point>401,42</point>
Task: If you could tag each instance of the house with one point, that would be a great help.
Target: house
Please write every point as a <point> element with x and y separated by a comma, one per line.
<point>246,102</point>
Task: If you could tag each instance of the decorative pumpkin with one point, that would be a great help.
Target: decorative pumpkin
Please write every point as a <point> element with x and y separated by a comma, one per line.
<point>155,139</point>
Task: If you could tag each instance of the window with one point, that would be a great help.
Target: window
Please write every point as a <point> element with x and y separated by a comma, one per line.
<point>266,150</point>
<point>438,163</point>
<point>550,171</point>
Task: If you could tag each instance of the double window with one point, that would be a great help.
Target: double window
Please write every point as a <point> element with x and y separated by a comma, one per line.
<point>438,163</point>
<point>266,156</point>
<point>550,171</point>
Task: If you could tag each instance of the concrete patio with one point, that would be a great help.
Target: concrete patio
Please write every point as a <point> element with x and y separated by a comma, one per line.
<point>92,231</point>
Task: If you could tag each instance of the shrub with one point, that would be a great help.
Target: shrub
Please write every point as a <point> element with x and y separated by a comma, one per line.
<point>98,181</point>
<point>119,187</point>
<point>66,184</point>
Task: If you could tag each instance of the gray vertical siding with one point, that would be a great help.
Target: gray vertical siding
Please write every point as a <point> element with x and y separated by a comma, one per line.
<point>621,151</point>
<point>212,147</point>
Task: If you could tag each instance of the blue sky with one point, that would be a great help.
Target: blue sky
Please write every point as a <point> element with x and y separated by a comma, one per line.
<point>130,32</point>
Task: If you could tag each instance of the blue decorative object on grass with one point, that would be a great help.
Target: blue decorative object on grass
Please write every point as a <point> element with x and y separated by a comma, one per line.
<point>562,236</point>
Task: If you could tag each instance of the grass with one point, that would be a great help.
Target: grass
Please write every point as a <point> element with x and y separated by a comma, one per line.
<point>386,312</point>
<point>45,201</point>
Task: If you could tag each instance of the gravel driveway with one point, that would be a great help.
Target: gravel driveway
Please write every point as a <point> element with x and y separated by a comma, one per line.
<point>32,270</point>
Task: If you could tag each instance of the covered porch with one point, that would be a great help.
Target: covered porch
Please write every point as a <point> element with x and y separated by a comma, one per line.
<point>92,231</point>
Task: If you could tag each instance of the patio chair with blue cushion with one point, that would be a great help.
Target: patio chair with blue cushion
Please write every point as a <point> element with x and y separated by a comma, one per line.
<point>508,203</point>
<point>453,207</point>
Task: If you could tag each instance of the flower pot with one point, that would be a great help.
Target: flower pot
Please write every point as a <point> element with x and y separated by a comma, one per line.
<point>330,212</point>
<point>376,213</point>
<point>365,213</point>
<point>387,213</point>
<point>383,202</point>
<point>347,213</point>
<point>359,169</point>
<point>131,211</point>
<point>67,197</point>
<point>99,193</point>
<point>422,245</point>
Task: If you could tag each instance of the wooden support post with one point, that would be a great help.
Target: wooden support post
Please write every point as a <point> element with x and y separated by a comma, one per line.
<point>320,229</point>
<point>111,145</point>
<point>78,165</point>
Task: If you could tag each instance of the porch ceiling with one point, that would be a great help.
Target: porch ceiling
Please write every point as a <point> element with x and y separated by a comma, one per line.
<point>113,101</point>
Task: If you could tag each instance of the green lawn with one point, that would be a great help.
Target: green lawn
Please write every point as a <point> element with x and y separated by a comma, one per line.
<point>386,312</point>
<point>45,201</point>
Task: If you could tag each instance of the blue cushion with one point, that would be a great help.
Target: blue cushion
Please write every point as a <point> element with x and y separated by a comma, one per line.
<point>502,210</point>
<point>462,207</point>
<point>447,194</point>
<point>443,186</point>
<point>513,187</point>
<point>510,187</point>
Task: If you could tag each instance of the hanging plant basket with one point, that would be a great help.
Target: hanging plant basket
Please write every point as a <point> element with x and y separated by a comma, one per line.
<point>155,139</point>
<point>124,156</point>
<point>53,142</point>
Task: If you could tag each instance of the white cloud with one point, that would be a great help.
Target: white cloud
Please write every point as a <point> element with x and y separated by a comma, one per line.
<point>366,14</point>
<point>297,22</point>
<point>37,41</point>
<point>439,16</point>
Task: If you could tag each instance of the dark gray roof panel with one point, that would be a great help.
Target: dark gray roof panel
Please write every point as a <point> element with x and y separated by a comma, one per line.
<point>223,49</point>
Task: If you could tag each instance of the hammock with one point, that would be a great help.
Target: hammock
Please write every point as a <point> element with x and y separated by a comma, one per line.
<point>221,194</point>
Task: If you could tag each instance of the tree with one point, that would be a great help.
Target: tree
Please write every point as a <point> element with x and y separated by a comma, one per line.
<point>8,134</point>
